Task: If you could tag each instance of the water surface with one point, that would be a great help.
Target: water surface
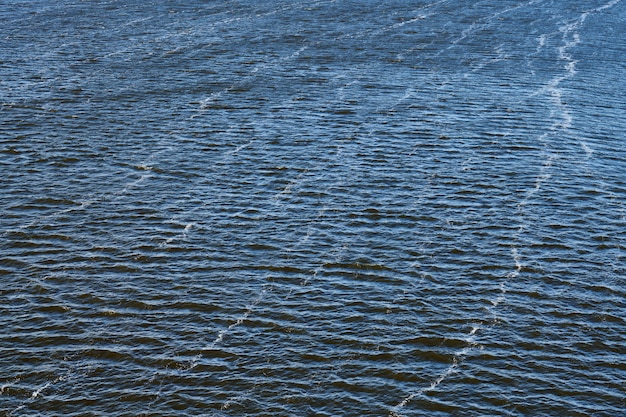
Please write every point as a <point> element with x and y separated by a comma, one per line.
<point>314,208</point>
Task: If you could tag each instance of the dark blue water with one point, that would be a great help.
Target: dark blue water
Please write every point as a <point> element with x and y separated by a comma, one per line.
<point>314,208</point>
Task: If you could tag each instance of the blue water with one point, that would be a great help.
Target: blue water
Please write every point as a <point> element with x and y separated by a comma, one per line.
<point>314,208</point>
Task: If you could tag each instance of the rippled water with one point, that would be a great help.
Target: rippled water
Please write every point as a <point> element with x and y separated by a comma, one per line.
<point>314,208</point>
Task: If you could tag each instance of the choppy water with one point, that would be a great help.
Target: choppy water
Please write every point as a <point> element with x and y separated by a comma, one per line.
<point>312,208</point>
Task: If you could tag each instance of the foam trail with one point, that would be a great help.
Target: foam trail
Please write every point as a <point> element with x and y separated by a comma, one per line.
<point>214,97</point>
<point>277,198</point>
<point>459,356</point>
<point>222,334</point>
<point>193,362</point>
<point>212,26</point>
<point>37,393</point>
<point>240,148</point>
<point>289,187</point>
<point>83,205</point>
<point>103,198</point>
<point>388,28</point>
<point>336,255</point>
<point>12,413</point>
<point>220,337</point>
<point>475,26</point>
<point>239,321</point>
<point>555,94</point>
<point>39,390</point>
<point>571,39</point>
<point>456,361</point>
<point>9,384</point>
<point>182,235</point>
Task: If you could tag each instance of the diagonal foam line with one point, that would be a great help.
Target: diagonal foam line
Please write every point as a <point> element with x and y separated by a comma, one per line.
<point>555,93</point>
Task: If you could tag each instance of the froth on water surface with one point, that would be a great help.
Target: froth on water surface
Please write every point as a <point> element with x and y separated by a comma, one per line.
<point>312,208</point>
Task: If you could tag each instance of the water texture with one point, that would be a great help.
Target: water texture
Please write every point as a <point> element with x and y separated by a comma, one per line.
<point>313,208</point>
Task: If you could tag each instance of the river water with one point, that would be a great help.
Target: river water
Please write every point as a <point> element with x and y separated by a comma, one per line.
<point>312,208</point>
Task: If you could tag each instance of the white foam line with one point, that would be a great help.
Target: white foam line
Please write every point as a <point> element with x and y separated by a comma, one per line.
<point>193,362</point>
<point>212,27</point>
<point>378,31</point>
<point>214,97</point>
<point>83,205</point>
<point>39,390</point>
<point>289,187</point>
<point>9,384</point>
<point>222,334</point>
<point>298,181</point>
<point>483,23</point>
<point>276,198</point>
<point>70,373</point>
<point>607,6</point>
<point>182,235</point>
<point>543,176</point>
<point>566,120</point>
<point>134,21</point>
<point>501,56</point>
<point>240,320</point>
<point>335,253</point>
<point>21,21</point>
<point>233,400</point>
<point>456,360</point>
<point>37,393</point>
<point>240,148</point>
<point>15,410</point>
<point>459,357</point>
<point>571,39</point>
<point>103,198</point>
